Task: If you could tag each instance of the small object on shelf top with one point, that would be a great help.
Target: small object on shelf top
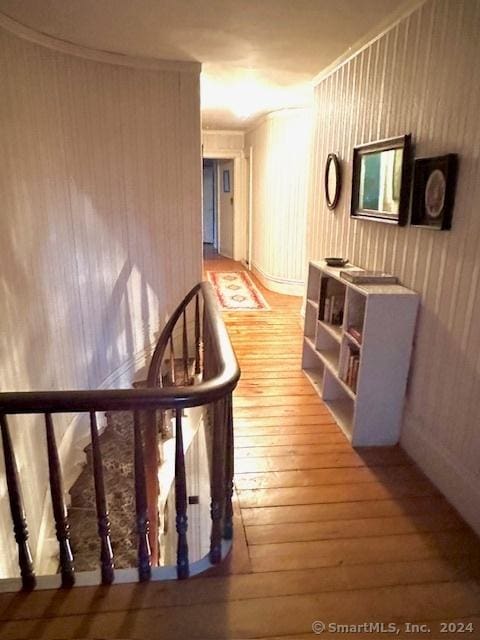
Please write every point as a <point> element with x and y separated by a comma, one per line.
<point>336,262</point>
<point>368,277</point>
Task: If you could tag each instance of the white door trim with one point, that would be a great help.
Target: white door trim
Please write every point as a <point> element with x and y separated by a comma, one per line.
<point>239,198</point>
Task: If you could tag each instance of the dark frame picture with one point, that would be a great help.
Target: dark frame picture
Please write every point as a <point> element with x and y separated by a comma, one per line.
<point>399,182</point>
<point>433,194</point>
<point>226,181</point>
<point>332,165</point>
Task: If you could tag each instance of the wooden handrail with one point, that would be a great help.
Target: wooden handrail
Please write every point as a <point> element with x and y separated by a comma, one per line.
<point>209,390</point>
<point>208,380</point>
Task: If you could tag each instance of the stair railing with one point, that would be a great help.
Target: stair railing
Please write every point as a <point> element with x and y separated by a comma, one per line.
<point>204,375</point>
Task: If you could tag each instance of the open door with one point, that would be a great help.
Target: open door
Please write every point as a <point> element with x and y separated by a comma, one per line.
<point>209,203</point>
<point>225,207</point>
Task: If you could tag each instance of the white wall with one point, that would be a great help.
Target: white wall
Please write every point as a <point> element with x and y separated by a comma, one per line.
<point>222,143</point>
<point>100,227</point>
<point>422,77</point>
<point>280,163</point>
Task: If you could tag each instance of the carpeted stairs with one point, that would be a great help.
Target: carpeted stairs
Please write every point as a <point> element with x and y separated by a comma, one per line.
<point>116,444</point>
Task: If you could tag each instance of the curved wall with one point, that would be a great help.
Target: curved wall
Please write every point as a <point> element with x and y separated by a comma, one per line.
<point>280,153</point>
<point>100,230</point>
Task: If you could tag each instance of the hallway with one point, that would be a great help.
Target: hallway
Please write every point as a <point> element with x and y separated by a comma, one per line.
<point>322,532</point>
<point>364,519</point>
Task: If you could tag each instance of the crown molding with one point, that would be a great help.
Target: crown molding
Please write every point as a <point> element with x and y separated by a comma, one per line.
<point>229,132</point>
<point>277,114</point>
<point>70,48</point>
<point>403,11</point>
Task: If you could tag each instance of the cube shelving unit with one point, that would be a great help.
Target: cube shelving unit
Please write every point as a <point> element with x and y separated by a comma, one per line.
<point>359,363</point>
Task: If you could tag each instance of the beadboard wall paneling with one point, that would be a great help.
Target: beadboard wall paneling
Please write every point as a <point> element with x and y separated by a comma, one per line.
<point>100,229</point>
<point>423,77</point>
<point>281,145</point>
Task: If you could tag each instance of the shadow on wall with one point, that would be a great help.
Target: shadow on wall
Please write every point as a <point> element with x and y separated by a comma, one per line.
<point>88,267</point>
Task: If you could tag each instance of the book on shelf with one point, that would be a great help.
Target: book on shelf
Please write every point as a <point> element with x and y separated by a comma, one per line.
<point>333,309</point>
<point>351,367</point>
<point>326,310</point>
<point>355,333</point>
<point>368,277</point>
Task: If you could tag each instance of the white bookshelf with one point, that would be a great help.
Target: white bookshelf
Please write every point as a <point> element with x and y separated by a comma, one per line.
<point>361,378</point>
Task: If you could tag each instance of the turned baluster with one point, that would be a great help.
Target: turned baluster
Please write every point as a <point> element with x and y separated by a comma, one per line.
<point>60,515</point>
<point>106,553</point>
<point>144,556</point>
<point>197,336</point>
<point>185,349</point>
<point>152,464</point>
<point>229,467</point>
<point>16,509</point>
<point>217,480</point>
<point>207,350</point>
<point>183,568</point>
<point>172,363</point>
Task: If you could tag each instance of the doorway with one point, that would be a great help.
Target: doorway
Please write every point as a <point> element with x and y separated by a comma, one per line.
<point>209,204</point>
<point>218,207</point>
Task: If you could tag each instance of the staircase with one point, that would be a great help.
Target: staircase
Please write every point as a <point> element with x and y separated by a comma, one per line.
<point>112,520</point>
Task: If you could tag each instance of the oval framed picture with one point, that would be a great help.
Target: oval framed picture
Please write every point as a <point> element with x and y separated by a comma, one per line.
<point>333,180</point>
<point>435,190</point>
<point>433,194</point>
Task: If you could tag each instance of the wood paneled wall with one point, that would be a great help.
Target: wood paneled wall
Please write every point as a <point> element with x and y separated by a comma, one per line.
<point>100,227</point>
<point>423,77</point>
<point>281,150</point>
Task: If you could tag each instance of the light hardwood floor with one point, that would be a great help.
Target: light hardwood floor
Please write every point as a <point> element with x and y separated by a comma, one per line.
<point>323,532</point>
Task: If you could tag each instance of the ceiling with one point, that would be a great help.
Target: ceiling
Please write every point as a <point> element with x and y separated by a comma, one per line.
<point>257,55</point>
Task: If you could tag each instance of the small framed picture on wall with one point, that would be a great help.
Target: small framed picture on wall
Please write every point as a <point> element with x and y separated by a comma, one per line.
<point>226,181</point>
<point>434,182</point>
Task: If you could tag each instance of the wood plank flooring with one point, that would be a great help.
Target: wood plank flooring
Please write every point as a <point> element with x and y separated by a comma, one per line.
<point>323,532</point>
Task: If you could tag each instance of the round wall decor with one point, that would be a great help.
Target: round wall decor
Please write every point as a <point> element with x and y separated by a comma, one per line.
<point>333,180</point>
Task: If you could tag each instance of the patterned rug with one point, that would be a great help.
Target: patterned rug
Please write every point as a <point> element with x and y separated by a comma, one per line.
<point>236,292</point>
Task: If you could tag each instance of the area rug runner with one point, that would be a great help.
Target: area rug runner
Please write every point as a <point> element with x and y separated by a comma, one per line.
<point>235,291</point>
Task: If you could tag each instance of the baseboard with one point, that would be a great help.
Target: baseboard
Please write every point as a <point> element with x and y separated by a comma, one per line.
<point>279,285</point>
<point>123,376</point>
<point>458,485</point>
<point>224,254</point>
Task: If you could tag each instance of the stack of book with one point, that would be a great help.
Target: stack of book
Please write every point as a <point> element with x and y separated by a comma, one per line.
<point>352,363</point>
<point>368,277</point>
<point>355,333</point>
<point>333,309</point>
